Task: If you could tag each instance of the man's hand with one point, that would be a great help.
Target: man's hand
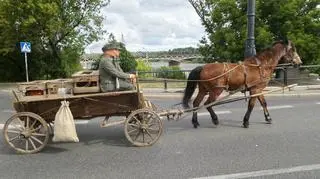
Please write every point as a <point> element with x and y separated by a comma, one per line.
<point>133,78</point>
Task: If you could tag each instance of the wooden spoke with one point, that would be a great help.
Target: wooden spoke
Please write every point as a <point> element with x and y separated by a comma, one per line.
<point>135,125</point>
<point>150,119</point>
<point>135,118</point>
<point>21,123</point>
<point>14,138</point>
<point>152,124</point>
<point>143,137</point>
<point>32,143</point>
<point>38,134</point>
<point>34,130</point>
<point>18,127</point>
<point>28,119</point>
<point>34,122</point>
<point>132,131</point>
<point>149,134</point>
<point>36,139</point>
<point>15,132</point>
<point>27,145</point>
<point>154,130</point>
<point>136,137</point>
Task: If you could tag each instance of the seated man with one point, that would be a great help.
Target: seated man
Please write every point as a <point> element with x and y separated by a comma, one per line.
<point>112,77</point>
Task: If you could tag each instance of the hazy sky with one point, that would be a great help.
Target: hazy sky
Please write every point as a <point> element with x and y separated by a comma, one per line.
<point>151,24</point>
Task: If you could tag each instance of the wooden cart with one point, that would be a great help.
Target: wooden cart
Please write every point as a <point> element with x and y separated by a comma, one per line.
<point>28,130</point>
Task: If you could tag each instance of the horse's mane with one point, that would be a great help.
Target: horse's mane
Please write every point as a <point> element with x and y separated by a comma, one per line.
<point>264,54</point>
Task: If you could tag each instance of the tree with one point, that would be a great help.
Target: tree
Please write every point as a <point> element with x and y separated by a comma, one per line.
<point>225,24</point>
<point>127,60</point>
<point>57,29</point>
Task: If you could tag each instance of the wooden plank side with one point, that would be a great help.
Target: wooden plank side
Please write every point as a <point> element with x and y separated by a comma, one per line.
<point>55,96</point>
<point>85,106</point>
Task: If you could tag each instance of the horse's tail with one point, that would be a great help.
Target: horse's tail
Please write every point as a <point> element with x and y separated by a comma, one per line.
<point>191,85</point>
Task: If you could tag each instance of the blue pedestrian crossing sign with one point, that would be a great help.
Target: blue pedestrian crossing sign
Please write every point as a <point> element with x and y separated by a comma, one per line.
<point>25,47</point>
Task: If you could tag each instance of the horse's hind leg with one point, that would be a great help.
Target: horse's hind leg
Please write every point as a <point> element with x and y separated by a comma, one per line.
<point>265,109</point>
<point>212,97</point>
<point>196,103</point>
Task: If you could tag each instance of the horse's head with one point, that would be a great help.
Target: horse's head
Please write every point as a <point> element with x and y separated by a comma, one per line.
<point>291,55</point>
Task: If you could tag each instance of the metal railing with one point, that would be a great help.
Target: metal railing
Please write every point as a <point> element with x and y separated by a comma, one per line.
<point>153,76</point>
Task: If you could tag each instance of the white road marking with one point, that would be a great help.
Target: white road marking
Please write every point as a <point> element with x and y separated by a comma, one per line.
<point>217,112</point>
<point>81,122</point>
<point>5,91</point>
<point>77,122</point>
<point>8,111</point>
<point>318,103</point>
<point>265,172</point>
<point>278,107</point>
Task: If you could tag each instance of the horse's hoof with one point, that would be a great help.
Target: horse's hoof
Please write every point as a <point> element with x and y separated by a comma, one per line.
<point>269,120</point>
<point>246,125</point>
<point>195,125</point>
<point>215,122</point>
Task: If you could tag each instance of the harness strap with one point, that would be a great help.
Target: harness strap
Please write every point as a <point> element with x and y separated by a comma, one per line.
<point>226,69</point>
<point>245,76</point>
<point>260,67</point>
<point>245,81</point>
<point>257,61</point>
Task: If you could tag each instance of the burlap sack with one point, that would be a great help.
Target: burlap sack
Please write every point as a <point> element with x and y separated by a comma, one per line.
<point>64,126</point>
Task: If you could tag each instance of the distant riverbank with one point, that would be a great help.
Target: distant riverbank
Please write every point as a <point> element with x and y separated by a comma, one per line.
<point>183,66</point>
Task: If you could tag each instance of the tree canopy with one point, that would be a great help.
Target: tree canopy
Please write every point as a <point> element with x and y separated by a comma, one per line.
<point>225,23</point>
<point>58,31</point>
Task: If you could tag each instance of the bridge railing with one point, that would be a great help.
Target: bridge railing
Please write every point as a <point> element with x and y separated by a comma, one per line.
<point>282,76</point>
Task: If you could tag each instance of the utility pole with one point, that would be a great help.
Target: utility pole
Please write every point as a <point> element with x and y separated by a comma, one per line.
<point>250,42</point>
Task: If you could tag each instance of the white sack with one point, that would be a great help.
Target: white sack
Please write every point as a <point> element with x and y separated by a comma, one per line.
<point>64,126</point>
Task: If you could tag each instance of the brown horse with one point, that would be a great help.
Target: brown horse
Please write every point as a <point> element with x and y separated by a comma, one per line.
<point>253,75</point>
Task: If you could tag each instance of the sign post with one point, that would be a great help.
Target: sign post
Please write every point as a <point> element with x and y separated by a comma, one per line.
<point>26,48</point>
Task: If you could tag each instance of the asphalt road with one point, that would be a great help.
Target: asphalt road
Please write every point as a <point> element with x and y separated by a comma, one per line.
<point>288,148</point>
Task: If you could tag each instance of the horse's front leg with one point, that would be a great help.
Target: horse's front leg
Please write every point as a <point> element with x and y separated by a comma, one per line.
<point>213,115</point>
<point>251,104</point>
<point>265,109</point>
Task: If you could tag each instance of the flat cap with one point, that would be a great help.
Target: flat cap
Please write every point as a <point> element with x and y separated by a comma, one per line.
<point>111,46</point>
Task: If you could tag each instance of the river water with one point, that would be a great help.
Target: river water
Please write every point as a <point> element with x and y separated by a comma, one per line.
<point>183,66</point>
<point>156,65</point>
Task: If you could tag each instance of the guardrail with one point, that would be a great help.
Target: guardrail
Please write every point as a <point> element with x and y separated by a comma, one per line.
<point>152,76</point>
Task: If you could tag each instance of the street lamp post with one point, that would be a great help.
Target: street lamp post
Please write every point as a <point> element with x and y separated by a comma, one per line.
<point>250,43</point>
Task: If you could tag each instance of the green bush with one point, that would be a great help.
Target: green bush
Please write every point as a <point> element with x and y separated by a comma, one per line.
<point>143,66</point>
<point>173,72</point>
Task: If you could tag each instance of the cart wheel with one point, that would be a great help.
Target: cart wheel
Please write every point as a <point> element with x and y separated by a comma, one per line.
<point>143,127</point>
<point>26,132</point>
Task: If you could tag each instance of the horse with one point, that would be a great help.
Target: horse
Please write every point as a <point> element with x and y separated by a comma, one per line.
<point>252,74</point>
